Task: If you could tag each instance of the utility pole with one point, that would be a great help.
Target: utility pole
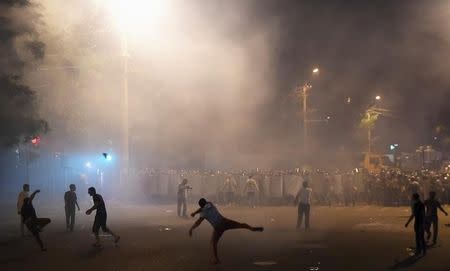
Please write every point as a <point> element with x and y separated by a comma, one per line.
<point>125,126</point>
<point>304,96</point>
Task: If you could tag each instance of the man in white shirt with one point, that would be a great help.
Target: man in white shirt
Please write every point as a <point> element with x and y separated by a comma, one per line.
<point>182,194</point>
<point>22,195</point>
<point>220,224</point>
<point>303,199</point>
<point>251,189</point>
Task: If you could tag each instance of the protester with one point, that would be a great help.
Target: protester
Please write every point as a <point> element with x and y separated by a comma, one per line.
<point>432,205</point>
<point>303,199</point>
<point>229,189</point>
<point>251,189</point>
<point>33,223</point>
<point>70,202</point>
<point>100,217</point>
<point>22,195</point>
<point>418,214</point>
<point>182,194</point>
<point>219,223</point>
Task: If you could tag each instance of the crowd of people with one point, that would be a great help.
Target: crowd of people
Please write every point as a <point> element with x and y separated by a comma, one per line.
<point>263,187</point>
<point>253,188</point>
<point>35,224</point>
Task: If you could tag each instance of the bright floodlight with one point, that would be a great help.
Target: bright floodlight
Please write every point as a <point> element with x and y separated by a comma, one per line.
<point>378,97</point>
<point>137,15</point>
<point>316,70</point>
<point>88,165</point>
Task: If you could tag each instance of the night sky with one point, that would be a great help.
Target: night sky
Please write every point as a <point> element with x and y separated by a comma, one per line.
<point>397,49</point>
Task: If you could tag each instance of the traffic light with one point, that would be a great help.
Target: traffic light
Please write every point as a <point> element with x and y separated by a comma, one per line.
<point>107,156</point>
<point>36,141</point>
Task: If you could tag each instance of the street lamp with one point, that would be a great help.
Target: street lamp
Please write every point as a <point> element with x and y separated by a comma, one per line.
<point>302,94</point>
<point>132,17</point>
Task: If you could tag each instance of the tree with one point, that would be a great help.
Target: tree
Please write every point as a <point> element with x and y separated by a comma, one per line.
<point>20,48</point>
<point>18,114</point>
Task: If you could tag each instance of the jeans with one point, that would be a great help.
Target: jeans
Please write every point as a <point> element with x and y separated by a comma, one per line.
<point>421,245</point>
<point>70,217</point>
<point>432,220</point>
<point>182,206</point>
<point>303,210</point>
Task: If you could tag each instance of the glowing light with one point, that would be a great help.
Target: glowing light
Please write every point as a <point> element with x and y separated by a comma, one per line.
<point>88,165</point>
<point>138,15</point>
<point>316,70</point>
<point>107,156</point>
<point>35,141</point>
<point>378,97</point>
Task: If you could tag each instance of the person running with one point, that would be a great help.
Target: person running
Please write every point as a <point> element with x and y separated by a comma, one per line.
<point>33,223</point>
<point>219,223</point>
<point>70,200</point>
<point>418,214</point>
<point>22,195</point>
<point>182,194</point>
<point>251,189</point>
<point>100,217</point>
<point>303,198</point>
<point>432,205</point>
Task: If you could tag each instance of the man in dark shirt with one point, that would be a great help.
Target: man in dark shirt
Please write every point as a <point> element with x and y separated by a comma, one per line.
<point>100,217</point>
<point>33,223</point>
<point>418,214</point>
<point>70,200</point>
<point>432,205</point>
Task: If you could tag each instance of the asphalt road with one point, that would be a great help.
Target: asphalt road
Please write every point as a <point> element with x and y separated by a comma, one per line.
<point>153,238</point>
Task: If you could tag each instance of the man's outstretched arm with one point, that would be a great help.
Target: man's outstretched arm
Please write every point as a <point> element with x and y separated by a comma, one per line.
<point>196,224</point>
<point>34,194</point>
<point>409,220</point>
<point>442,209</point>
<point>196,212</point>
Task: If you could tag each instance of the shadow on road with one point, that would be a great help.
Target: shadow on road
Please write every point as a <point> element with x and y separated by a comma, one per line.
<point>405,263</point>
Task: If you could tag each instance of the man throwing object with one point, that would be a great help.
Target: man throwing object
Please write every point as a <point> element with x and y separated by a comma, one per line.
<point>220,224</point>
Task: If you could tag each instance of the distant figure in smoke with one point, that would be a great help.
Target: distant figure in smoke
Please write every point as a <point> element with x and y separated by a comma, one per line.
<point>229,189</point>
<point>70,202</point>
<point>100,217</point>
<point>220,224</point>
<point>22,195</point>
<point>432,205</point>
<point>183,188</point>
<point>251,189</point>
<point>418,214</point>
<point>33,223</point>
<point>303,198</point>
